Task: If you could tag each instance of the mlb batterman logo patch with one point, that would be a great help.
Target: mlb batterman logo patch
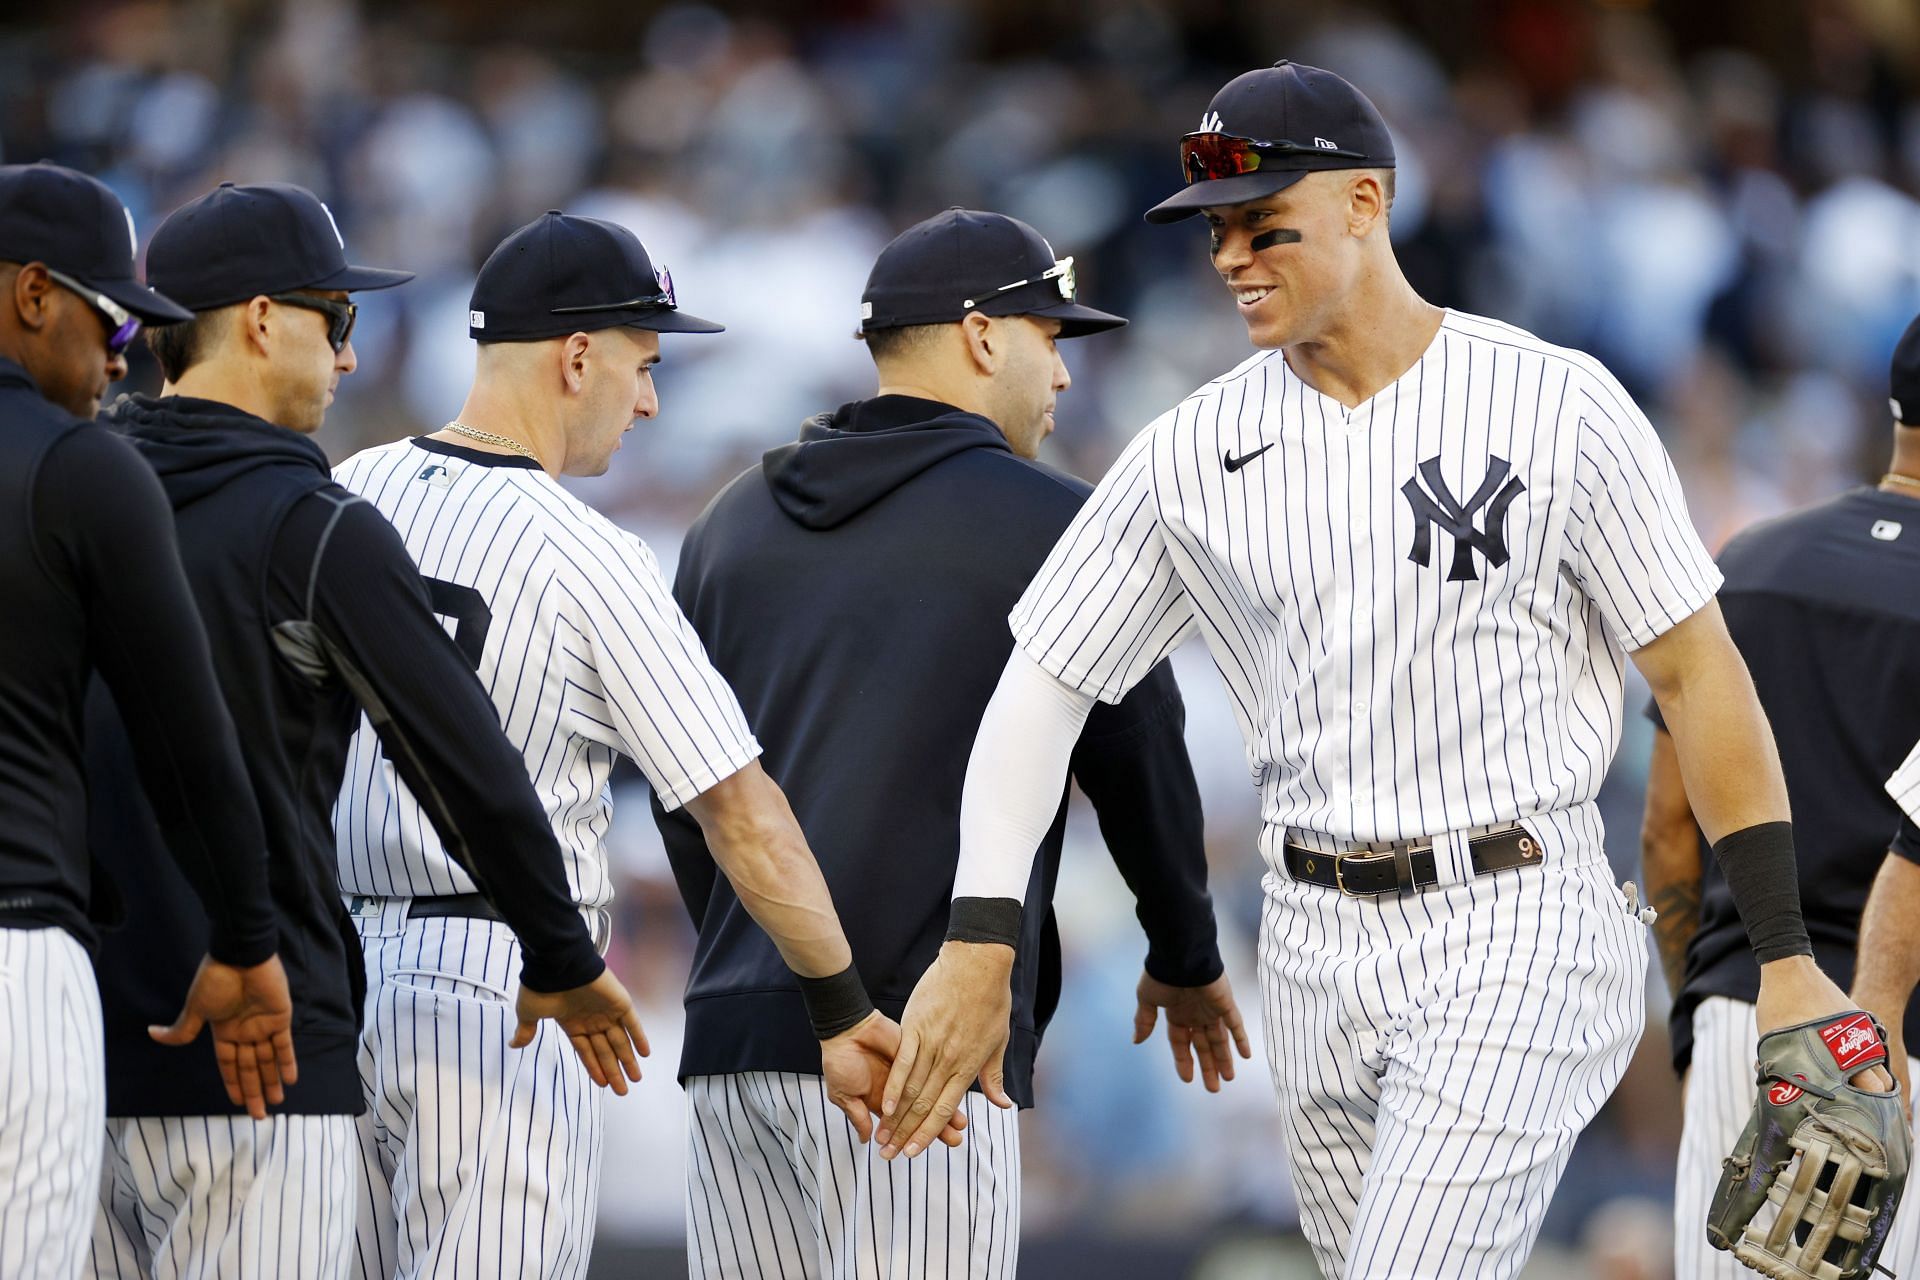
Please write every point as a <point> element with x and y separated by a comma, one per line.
<point>476,319</point>
<point>1886,530</point>
<point>1853,1042</point>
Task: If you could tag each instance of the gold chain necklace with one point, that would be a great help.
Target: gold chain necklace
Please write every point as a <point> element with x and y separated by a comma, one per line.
<point>1894,477</point>
<point>487,437</point>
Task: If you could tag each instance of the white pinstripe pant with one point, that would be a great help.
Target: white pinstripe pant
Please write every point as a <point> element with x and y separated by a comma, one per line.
<point>477,1160</point>
<point>53,1099</point>
<point>225,1198</point>
<point>779,1185</point>
<point>1720,1093</point>
<point>1437,1053</point>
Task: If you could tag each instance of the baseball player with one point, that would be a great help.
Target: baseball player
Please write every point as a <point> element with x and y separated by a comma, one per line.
<point>477,1161</point>
<point>1419,545</point>
<point>853,588</point>
<point>315,611</point>
<point>1825,607</point>
<point>92,581</point>
<point>1889,964</point>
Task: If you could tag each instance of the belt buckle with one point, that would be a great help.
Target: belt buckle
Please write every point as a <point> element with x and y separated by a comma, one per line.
<point>1340,862</point>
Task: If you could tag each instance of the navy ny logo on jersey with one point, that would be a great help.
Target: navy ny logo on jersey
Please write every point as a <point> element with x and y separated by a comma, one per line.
<point>1435,504</point>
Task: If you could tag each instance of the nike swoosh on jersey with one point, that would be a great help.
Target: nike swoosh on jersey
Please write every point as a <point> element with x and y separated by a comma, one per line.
<point>1234,464</point>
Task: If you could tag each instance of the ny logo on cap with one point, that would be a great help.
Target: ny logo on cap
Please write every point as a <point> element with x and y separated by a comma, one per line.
<point>334,225</point>
<point>1211,123</point>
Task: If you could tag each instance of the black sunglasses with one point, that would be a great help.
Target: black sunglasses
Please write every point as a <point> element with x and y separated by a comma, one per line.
<point>340,315</point>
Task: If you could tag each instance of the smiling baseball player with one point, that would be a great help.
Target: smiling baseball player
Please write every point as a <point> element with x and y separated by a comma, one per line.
<point>1420,546</point>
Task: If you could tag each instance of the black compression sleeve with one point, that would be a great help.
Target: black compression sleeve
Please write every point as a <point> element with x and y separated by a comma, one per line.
<point>100,507</point>
<point>1760,872</point>
<point>1132,764</point>
<point>443,734</point>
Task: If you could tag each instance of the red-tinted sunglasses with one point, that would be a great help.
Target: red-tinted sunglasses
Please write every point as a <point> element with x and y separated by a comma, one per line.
<point>1208,156</point>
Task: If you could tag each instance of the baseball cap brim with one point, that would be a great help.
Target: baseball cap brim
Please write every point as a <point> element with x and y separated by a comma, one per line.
<point>1077,321</point>
<point>1223,191</point>
<point>361,279</point>
<point>665,321</point>
<point>153,307</point>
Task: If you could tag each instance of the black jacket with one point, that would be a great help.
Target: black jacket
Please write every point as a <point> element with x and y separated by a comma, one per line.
<point>854,589</point>
<point>315,611</point>
<point>91,581</point>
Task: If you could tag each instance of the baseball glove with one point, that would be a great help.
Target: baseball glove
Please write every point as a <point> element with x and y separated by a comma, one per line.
<point>1829,1158</point>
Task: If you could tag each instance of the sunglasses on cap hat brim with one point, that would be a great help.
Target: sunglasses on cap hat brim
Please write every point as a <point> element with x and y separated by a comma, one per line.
<point>122,325</point>
<point>1075,320</point>
<point>659,311</point>
<point>1223,169</point>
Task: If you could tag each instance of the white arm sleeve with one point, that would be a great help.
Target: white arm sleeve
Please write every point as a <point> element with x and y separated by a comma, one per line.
<point>1014,778</point>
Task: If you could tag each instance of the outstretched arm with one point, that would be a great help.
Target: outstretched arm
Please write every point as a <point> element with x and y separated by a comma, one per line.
<point>957,1022</point>
<point>1132,763</point>
<point>1732,775</point>
<point>102,518</point>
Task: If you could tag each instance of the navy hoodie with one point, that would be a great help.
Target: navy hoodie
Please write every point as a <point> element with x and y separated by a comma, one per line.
<point>854,590</point>
<point>314,611</point>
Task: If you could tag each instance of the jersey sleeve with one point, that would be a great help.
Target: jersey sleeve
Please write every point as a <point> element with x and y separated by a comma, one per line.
<point>1904,785</point>
<point>1632,545</point>
<point>672,712</point>
<point>1107,605</point>
<point>100,510</point>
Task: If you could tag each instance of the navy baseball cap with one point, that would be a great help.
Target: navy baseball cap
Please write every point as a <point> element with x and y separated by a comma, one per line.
<point>1267,129</point>
<point>563,274</point>
<point>78,227</point>
<point>964,260</point>
<point>239,242</point>
<point>1905,387</point>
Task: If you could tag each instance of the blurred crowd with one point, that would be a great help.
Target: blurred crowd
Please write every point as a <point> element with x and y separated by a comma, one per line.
<point>1717,199</point>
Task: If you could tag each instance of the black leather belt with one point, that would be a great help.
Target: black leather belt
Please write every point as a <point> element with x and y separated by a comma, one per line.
<point>1411,866</point>
<point>466,905</point>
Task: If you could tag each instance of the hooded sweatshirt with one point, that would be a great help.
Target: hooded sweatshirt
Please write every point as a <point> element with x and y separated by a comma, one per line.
<point>315,612</point>
<point>854,590</point>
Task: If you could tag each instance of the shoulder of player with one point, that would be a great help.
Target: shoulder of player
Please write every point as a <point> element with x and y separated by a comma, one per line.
<point>1584,375</point>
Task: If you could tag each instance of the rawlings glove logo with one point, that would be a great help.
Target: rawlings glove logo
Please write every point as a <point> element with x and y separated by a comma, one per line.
<point>1853,1042</point>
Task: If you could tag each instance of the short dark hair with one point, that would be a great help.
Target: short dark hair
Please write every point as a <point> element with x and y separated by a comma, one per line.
<point>886,344</point>
<point>178,347</point>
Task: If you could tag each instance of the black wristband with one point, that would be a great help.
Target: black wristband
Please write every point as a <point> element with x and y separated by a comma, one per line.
<point>1758,865</point>
<point>985,920</point>
<point>835,1004</point>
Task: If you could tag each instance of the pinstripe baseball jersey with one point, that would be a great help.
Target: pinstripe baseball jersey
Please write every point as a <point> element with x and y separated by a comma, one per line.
<point>1420,605</point>
<point>575,636</point>
<point>1904,785</point>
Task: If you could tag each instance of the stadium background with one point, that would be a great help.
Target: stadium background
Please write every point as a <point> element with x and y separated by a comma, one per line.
<point>1717,197</point>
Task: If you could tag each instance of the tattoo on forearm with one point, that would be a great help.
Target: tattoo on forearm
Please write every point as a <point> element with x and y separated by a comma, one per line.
<point>1679,908</point>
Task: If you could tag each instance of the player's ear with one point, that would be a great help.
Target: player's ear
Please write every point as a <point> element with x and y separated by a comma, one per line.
<point>573,361</point>
<point>1366,202</point>
<point>982,342</point>
<point>257,325</point>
